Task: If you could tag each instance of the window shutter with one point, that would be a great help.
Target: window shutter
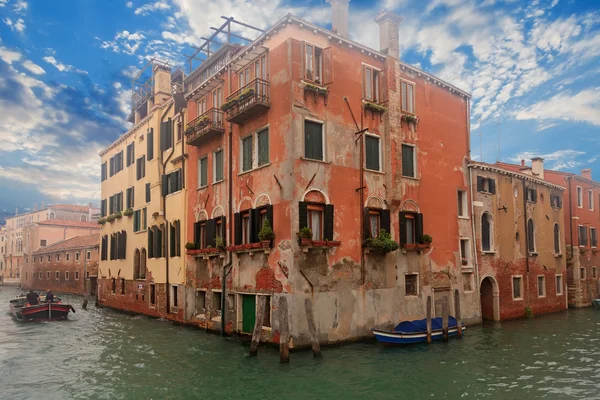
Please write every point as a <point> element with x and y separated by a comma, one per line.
<point>131,204</point>
<point>171,240</point>
<point>366,229</point>
<point>254,224</point>
<point>302,215</point>
<point>150,243</point>
<point>224,229</point>
<point>492,186</point>
<point>270,215</point>
<point>150,144</point>
<point>237,226</point>
<point>155,249</point>
<point>165,185</point>
<point>480,184</point>
<point>327,78</point>
<point>163,135</point>
<point>534,195</point>
<point>123,245</point>
<point>403,238</point>
<point>418,227</point>
<point>210,232</point>
<point>303,59</point>
<point>384,220</point>
<point>328,224</point>
<point>179,179</point>
<point>560,201</point>
<point>197,234</point>
<point>161,242</point>
<point>147,193</point>
<point>383,86</point>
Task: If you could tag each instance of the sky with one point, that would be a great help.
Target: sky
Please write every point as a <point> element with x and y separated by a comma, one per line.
<point>532,68</point>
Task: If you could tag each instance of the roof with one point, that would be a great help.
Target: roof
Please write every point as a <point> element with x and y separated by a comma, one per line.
<point>511,169</point>
<point>76,242</point>
<point>69,223</point>
<point>70,207</point>
<point>576,177</point>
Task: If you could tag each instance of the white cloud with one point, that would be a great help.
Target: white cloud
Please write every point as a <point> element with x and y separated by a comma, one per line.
<point>129,4</point>
<point>21,6</point>
<point>125,42</point>
<point>583,107</point>
<point>62,67</point>
<point>3,3</point>
<point>557,160</point>
<point>9,56</point>
<point>33,68</point>
<point>150,7</point>
<point>180,38</point>
<point>18,25</point>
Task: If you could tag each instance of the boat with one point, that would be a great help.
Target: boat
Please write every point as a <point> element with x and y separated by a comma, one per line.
<point>416,331</point>
<point>43,311</point>
<point>596,303</point>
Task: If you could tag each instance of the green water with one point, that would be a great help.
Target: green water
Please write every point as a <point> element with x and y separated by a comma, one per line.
<point>101,354</point>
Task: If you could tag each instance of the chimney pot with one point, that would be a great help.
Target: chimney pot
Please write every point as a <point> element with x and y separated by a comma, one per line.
<point>389,23</point>
<point>587,173</point>
<point>522,163</point>
<point>339,17</point>
<point>537,167</point>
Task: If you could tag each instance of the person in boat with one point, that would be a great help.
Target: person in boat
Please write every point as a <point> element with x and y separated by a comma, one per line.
<point>49,296</point>
<point>32,298</point>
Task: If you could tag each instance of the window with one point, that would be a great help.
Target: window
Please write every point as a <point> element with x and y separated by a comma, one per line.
<point>40,275</point>
<point>77,253</point>
<point>147,193</point>
<point>139,220</point>
<point>247,154</point>
<point>152,294</point>
<point>374,223</point>
<point>129,198</point>
<point>579,197</point>
<point>467,282</point>
<point>315,221</point>
<point>313,140</point>
<point>559,285</point>
<point>531,195</point>
<point>87,274</point>
<point>118,246</point>
<point>122,285</point>
<point>218,165</point>
<point>411,227</point>
<point>262,138</point>
<point>583,241</point>
<point>371,84</point>
<point>47,274</point>
<point>42,243</point>
<point>203,172</point>
<point>103,208</point>
<point>67,256</point>
<point>113,285</point>
<point>591,199</point>
<point>267,316</point>
<point>557,239</point>
<point>150,145</point>
<point>593,237</point>
<point>411,284</point>
<point>246,227</point>
<point>530,236</point>
<point>116,163</point>
<point>462,203</point>
<point>180,130</point>
<point>408,97</point>
<point>130,153</point>
<point>57,257</point>
<point>166,135</point>
<point>200,302</point>
<point>174,299</point>
<point>517,282</point>
<point>88,255</point>
<point>155,241</point>
<point>103,172</point>
<point>57,275</point>
<point>216,303</point>
<point>67,275</point>
<point>200,234</point>
<point>594,273</point>
<point>465,251</point>
<point>174,236</point>
<point>313,62</point>
<point>115,203</point>
<point>486,232</point>
<point>104,249</point>
<point>172,182</point>
<point>556,201</point>
<point>486,185</point>
<point>408,161</point>
<point>140,168</point>
<point>372,153</point>
<point>582,273</point>
<point>541,286</point>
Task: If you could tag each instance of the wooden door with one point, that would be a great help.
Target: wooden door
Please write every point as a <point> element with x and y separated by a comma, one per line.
<point>248,313</point>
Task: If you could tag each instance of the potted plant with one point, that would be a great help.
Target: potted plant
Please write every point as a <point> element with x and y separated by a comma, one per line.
<point>101,221</point>
<point>266,234</point>
<point>246,93</point>
<point>383,242</point>
<point>202,122</point>
<point>374,107</point>
<point>119,215</point>
<point>228,105</point>
<point>410,118</point>
<point>190,246</point>
<point>220,243</point>
<point>464,261</point>
<point>128,212</point>
<point>110,218</point>
<point>426,240</point>
<point>316,89</point>
<point>305,236</point>
<point>190,130</point>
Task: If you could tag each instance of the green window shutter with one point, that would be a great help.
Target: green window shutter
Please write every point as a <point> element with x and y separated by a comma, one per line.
<point>384,220</point>
<point>328,228</point>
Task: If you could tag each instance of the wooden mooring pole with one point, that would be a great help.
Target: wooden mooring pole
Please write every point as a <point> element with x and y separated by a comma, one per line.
<point>262,301</point>
<point>457,313</point>
<point>445,314</point>
<point>428,319</point>
<point>284,331</point>
<point>312,329</point>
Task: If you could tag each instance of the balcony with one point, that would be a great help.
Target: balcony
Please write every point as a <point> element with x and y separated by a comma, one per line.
<point>209,123</point>
<point>248,102</point>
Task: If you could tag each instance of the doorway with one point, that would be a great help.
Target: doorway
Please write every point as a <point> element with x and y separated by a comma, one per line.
<point>248,313</point>
<point>489,299</point>
<point>438,298</point>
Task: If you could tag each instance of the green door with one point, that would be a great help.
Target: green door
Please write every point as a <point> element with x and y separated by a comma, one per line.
<point>248,313</point>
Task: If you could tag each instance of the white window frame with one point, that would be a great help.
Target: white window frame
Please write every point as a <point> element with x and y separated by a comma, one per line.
<point>491,233</point>
<point>579,227</point>
<point>414,97</point>
<point>468,250</point>
<point>579,197</point>
<point>215,165</point>
<point>561,291</point>
<point>88,255</point>
<point>591,236</point>
<point>172,307</point>
<point>56,275</point>
<point>376,98</point>
<point>76,275</point>
<point>465,210</point>
<point>537,282</point>
<point>591,200</point>
<point>379,150</point>
<point>415,165</point>
<point>66,275</point>
<point>199,169</point>
<point>512,286</point>
<point>418,285</point>
<point>323,139</point>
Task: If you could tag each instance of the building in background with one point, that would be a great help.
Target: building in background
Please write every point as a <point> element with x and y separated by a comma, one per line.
<point>306,128</point>
<point>2,253</point>
<point>520,240</point>
<point>68,266</point>
<point>144,201</point>
<point>582,221</point>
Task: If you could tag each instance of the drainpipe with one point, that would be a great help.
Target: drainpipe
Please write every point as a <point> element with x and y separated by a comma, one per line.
<point>230,219</point>
<point>570,220</point>
<point>362,199</point>
<point>165,243</point>
<point>526,239</point>
<point>475,260</point>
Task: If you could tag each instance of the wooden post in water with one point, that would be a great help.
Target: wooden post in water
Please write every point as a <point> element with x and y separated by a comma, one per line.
<point>284,331</point>
<point>457,313</point>
<point>428,319</point>
<point>262,301</point>
<point>445,318</point>
<point>312,329</point>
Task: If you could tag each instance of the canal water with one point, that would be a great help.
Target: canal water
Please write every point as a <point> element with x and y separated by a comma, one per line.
<point>102,354</point>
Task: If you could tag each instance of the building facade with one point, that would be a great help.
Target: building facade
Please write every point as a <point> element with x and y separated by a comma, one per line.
<point>2,253</point>
<point>69,266</point>
<point>582,219</point>
<point>520,240</point>
<point>308,129</point>
<point>144,201</point>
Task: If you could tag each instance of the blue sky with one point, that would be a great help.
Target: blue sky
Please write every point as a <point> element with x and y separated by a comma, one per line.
<point>65,68</point>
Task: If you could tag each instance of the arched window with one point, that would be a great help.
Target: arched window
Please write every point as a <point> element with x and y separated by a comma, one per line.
<point>556,239</point>
<point>83,217</point>
<point>136,264</point>
<point>143,264</point>
<point>51,215</point>
<point>486,232</point>
<point>531,236</point>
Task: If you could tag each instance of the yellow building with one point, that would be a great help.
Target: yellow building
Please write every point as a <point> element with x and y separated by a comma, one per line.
<point>144,201</point>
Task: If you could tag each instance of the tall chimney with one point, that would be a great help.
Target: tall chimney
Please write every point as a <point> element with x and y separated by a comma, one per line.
<point>537,167</point>
<point>587,173</point>
<point>339,18</point>
<point>389,23</point>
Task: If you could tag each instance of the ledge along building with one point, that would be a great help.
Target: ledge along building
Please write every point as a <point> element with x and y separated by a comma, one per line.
<point>144,201</point>
<point>305,128</point>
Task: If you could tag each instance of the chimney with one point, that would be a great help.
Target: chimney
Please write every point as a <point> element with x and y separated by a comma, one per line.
<point>339,17</point>
<point>522,163</point>
<point>389,23</point>
<point>587,173</point>
<point>537,167</point>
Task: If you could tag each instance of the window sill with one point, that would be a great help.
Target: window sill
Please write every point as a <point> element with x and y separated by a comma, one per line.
<point>531,201</point>
<point>254,169</point>
<point>374,171</point>
<point>142,231</point>
<point>533,254</point>
<point>558,255</point>
<point>174,193</point>
<point>486,193</point>
<point>412,178</point>
<point>318,244</point>
<point>489,252</point>
<point>217,182</point>
<point>463,217</point>
<point>201,187</point>
<point>541,297</point>
<point>518,299</point>
<point>411,296</point>
<point>313,160</point>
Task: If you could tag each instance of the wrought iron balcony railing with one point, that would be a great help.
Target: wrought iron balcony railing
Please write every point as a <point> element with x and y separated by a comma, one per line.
<point>248,102</point>
<point>211,122</point>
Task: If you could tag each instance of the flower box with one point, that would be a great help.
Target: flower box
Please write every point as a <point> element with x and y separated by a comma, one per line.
<point>194,252</point>
<point>128,212</point>
<point>229,105</point>
<point>247,246</point>
<point>246,93</point>
<point>265,244</point>
<point>374,107</point>
<point>256,245</point>
<point>316,89</point>
<point>319,243</point>
<point>334,243</point>
<point>410,118</point>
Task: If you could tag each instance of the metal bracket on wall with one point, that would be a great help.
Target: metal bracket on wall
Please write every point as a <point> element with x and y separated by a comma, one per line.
<point>249,188</point>
<point>311,181</point>
<point>278,183</point>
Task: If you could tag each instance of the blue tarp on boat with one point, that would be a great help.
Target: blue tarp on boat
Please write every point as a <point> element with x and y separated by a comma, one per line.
<point>421,325</point>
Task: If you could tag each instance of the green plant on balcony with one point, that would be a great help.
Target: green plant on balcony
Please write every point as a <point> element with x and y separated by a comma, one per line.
<point>266,234</point>
<point>202,122</point>
<point>374,107</point>
<point>426,239</point>
<point>110,218</point>
<point>383,242</point>
<point>317,89</point>
<point>246,93</point>
<point>190,246</point>
<point>128,212</point>
<point>229,104</point>
<point>410,118</point>
<point>119,215</point>
<point>305,233</point>
<point>219,243</point>
<point>101,221</point>
<point>190,129</point>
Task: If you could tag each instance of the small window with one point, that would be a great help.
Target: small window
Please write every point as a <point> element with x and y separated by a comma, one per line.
<point>531,236</point>
<point>408,161</point>
<point>467,281</point>
<point>556,201</point>
<point>67,257</point>
<point>411,284</point>
<point>48,275</point>
<point>531,195</point>
<point>77,256</point>
<point>173,181</point>
<point>147,193</point>
<point>40,275</point>
<point>66,275</point>
<point>372,153</point>
<point>408,97</point>
<point>486,185</point>
<point>76,275</point>
<point>140,168</point>
<point>593,237</point>
<point>203,172</point>
<point>559,285</point>
<point>58,257</point>
<point>247,153</point>
<point>462,203</point>
<point>579,197</point>
<point>200,302</point>
<point>152,294</point>
<point>57,275</point>
<point>216,303</point>
<point>218,165</point>
<point>486,232</point>
<point>313,140</point>
<point>582,273</point>
<point>591,199</point>
<point>42,243</point>
<point>583,241</point>
<point>129,198</point>
<point>557,249</point>
<point>313,63</point>
<point>465,251</point>
<point>263,147</point>
<point>594,273</point>
<point>517,282</point>
<point>315,220</point>
<point>374,222</point>
<point>371,84</point>
<point>541,285</point>
<point>174,298</point>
